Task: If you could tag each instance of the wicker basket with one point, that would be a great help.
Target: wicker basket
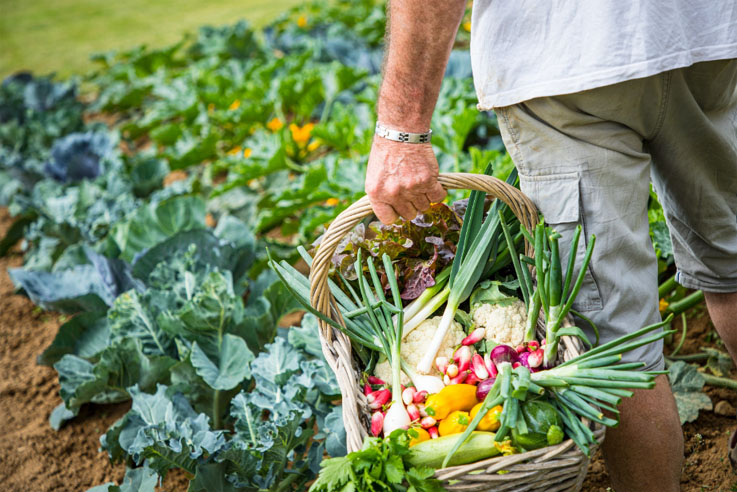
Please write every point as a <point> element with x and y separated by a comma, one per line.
<point>553,468</point>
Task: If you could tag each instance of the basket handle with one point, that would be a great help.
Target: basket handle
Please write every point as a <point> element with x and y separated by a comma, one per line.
<point>518,202</point>
<point>336,346</point>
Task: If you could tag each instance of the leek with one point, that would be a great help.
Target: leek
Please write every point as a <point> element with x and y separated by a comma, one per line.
<point>478,238</point>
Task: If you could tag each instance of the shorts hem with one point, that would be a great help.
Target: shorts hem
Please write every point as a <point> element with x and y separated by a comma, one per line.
<point>658,365</point>
<point>726,286</point>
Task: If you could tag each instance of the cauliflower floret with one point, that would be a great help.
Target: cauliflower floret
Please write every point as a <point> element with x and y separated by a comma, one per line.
<point>503,323</point>
<point>415,344</point>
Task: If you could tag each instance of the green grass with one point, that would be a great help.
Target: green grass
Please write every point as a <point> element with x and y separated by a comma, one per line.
<point>59,35</point>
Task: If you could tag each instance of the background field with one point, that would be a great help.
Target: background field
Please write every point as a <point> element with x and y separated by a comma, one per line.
<point>59,35</point>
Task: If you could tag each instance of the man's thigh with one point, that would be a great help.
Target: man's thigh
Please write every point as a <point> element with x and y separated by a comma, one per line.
<point>582,169</point>
<point>695,173</point>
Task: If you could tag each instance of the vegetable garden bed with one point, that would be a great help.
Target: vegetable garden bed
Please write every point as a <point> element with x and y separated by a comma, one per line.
<point>34,456</point>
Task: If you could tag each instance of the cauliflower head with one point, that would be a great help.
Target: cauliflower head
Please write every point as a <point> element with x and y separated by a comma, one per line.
<point>504,323</point>
<point>414,346</point>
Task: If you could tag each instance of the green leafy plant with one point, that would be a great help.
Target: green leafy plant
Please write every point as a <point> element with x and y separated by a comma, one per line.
<point>381,465</point>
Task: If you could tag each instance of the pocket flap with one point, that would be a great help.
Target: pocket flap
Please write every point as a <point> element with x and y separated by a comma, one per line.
<point>556,196</point>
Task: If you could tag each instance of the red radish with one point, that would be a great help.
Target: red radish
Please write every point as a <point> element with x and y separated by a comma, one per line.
<point>367,390</point>
<point>442,364</point>
<point>461,377</point>
<point>433,431</point>
<point>462,357</point>
<point>476,336</point>
<point>533,345</point>
<point>520,348</point>
<point>421,408</point>
<point>490,365</point>
<point>375,380</point>
<point>377,423</point>
<point>516,365</point>
<point>413,412</point>
<point>378,398</point>
<point>420,396</point>
<point>478,367</point>
<point>471,378</point>
<point>452,371</point>
<point>427,422</point>
<point>535,359</point>
<point>408,395</point>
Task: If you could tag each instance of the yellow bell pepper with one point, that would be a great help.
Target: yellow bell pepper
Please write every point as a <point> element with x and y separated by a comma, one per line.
<point>449,399</point>
<point>422,435</point>
<point>455,423</point>
<point>490,421</point>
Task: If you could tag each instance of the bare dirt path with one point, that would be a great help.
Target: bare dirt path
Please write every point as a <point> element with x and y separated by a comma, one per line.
<point>34,457</point>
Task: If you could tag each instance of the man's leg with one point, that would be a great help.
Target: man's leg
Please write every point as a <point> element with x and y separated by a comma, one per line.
<point>582,160</point>
<point>646,451</point>
<point>723,313</point>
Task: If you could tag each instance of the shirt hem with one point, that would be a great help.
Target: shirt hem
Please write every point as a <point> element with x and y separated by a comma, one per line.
<point>570,85</point>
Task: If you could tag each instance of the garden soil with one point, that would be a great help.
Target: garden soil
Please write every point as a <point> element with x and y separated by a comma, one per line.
<point>34,457</point>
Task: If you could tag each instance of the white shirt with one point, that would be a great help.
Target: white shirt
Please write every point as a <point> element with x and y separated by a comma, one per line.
<point>522,49</point>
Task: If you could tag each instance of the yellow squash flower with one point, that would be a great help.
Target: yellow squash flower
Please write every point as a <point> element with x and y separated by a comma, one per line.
<point>302,21</point>
<point>234,105</point>
<point>314,145</point>
<point>505,447</point>
<point>663,305</point>
<point>331,202</point>
<point>234,151</point>
<point>247,152</point>
<point>301,135</point>
<point>467,26</point>
<point>275,124</point>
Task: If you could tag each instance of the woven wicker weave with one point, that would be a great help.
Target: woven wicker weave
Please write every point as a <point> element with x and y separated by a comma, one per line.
<point>553,468</point>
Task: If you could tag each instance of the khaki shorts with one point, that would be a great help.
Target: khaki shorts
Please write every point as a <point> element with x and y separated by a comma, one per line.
<point>587,158</point>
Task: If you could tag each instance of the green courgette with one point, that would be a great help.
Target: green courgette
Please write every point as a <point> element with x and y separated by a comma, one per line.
<point>479,446</point>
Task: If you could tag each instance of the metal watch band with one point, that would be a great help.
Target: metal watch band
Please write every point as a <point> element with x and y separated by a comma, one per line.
<point>404,137</point>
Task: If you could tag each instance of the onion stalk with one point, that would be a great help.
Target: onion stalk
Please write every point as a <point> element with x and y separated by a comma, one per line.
<point>553,293</point>
<point>386,322</point>
<point>579,388</point>
<point>354,314</point>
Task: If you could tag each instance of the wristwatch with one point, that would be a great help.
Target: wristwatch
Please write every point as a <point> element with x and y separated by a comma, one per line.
<point>404,137</point>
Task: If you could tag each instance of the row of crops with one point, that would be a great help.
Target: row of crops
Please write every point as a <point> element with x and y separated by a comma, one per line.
<point>147,201</point>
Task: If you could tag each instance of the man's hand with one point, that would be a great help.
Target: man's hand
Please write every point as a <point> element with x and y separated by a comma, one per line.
<point>402,179</point>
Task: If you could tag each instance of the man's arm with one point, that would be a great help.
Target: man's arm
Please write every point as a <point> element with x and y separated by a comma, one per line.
<point>402,178</point>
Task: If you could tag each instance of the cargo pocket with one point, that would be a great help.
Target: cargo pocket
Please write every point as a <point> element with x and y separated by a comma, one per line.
<point>558,198</point>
